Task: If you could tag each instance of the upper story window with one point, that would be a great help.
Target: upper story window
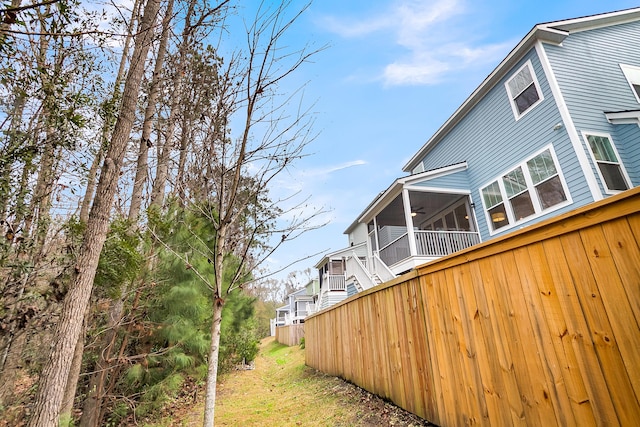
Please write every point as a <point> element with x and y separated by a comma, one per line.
<point>529,189</point>
<point>524,90</point>
<point>632,73</point>
<point>605,156</point>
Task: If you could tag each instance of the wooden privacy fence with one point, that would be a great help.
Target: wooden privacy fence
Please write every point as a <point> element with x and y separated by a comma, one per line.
<point>290,334</point>
<point>537,328</point>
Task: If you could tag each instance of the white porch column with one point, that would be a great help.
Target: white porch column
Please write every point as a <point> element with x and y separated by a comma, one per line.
<point>409,220</point>
<point>376,252</point>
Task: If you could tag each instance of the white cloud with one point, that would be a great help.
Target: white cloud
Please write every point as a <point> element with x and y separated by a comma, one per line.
<point>356,29</point>
<point>415,72</point>
<point>332,168</point>
<point>433,39</point>
<point>304,191</point>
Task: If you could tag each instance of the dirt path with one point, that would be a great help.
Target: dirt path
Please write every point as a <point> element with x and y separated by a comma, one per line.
<point>282,391</point>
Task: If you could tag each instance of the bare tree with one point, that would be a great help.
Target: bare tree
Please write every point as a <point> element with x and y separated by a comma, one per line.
<point>229,179</point>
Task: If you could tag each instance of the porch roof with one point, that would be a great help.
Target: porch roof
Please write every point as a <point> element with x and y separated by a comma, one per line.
<point>283,308</point>
<point>337,254</point>
<point>623,117</point>
<point>299,292</point>
<point>388,196</point>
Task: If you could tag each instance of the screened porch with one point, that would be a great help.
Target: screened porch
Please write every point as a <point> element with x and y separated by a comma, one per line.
<point>422,226</point>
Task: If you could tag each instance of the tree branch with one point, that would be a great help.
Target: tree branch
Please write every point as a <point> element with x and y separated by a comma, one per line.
<point>30,6</point>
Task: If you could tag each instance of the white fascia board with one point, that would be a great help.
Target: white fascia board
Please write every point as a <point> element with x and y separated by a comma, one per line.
<point>547,34</point>
<point>596,21</point>
<point>551,32</point>
<point>395,190</point>
<point>623,117</point>
<point>424,189</point>
<point>434,173</point>
<point>337,254</point>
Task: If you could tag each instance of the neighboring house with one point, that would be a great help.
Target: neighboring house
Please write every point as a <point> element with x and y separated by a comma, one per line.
<point>554,127</point>
<point>299,305</point>
<point>344,273</point>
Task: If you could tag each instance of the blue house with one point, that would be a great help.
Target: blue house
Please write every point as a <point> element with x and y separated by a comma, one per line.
<point>554,127</point>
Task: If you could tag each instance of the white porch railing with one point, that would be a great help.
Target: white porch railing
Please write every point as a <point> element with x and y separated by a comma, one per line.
<point>334,282</point>
<point>429,243</point>
<point>396,250</point>
<point>357,269</point>
<point>381,269</point>
<point>441,243</point>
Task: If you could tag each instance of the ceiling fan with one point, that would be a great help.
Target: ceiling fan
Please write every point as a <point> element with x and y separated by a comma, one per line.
<point>417,210</point>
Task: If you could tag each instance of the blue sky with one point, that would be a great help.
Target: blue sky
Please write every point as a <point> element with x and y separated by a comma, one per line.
<point>394,71</point>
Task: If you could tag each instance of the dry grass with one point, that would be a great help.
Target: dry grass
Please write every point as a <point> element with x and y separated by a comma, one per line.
<point>282,391</point>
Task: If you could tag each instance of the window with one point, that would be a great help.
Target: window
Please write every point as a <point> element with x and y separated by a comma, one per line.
<point>546,180</point>
<point>518,193</point>
<point>494,204</point>
<point>632,73</point>
<point>524,90</point>
<point>527,190</point>
<point>605,156</point>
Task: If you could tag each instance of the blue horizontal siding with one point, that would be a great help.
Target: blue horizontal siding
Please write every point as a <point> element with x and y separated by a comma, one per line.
<point>627,139</point>
<point>351,289</point>
<point>492,141</point>
<point>455,181</point>
<point>587,68</point>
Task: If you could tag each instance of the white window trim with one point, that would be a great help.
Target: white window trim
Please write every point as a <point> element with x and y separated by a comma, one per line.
<point>624,68</point>
<point>603,183</point>
<point>512,101</point>
<point>531,188</point>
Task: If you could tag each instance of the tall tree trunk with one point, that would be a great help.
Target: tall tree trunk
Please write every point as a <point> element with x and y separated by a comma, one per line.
<point>93,402</point>
<point>185,138</point>
<point>106,128</point>
<point>91,184</point>
<point>218,305</point>
<point>91,414</point>
<point>212,370</point>
<point>10,152</point>
<point>74,373</point>
<point>41,198</point>
<point>147,125</point>
<point>162,167</point>
<point>56,370</point>
<point>164,150</point>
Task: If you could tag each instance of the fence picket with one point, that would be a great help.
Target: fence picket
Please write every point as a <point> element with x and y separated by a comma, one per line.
<point>540,327</point>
